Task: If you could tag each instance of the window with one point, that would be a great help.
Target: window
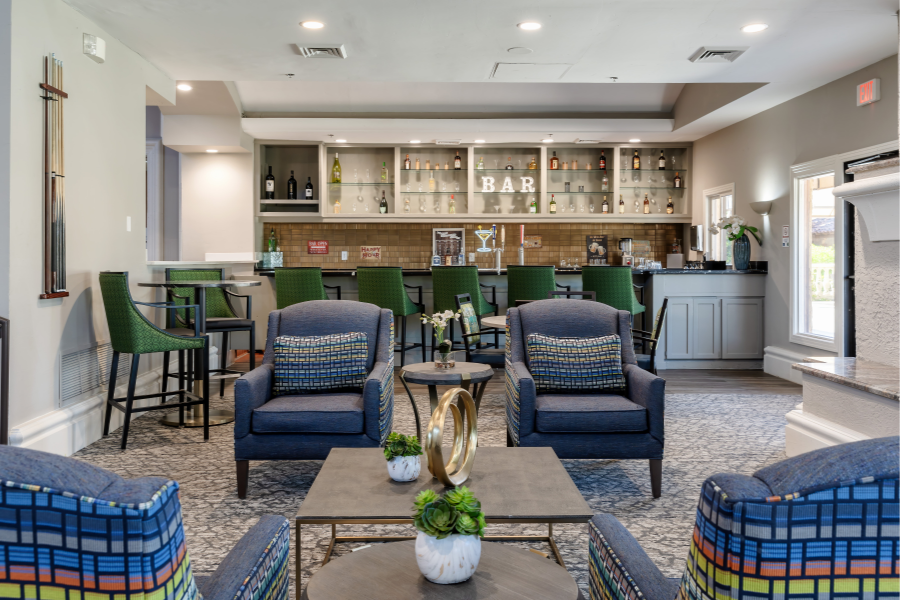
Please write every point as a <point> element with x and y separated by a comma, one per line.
<point>719,204</point>
<point>815,253</point>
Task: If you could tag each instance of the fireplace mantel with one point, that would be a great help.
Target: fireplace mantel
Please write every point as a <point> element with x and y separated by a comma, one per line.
<point>876,195</point>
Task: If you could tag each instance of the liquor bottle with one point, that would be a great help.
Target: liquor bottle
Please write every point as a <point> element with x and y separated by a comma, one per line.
<point>309,188</point>
<point>451,206</point>
<point>337,206</point>
<point>532,208</point>
<point>406,205</point>
<point>457,162</point>
<point>382,206</point>
<point>554,162</point>
<point>646,205</point>
<point>575,165</point>
<point>480,163</point>
<point>292,187</point>
<point>604,183</point>
<point>336,170</point>
<point>605,207</point>
<point>427,164</point>
<point>532,166</point>
<point>662,160</point>
<point>270,185</point>
<point>621,205</point>
<point>273,241</point>
<point>552,204</point>
<point>602,164</point>
<point>509,165</point>
<point>565,166</point>
<point>383,171</point>
<point>417,163</point>
<point>636,161</point>
<point>670,208</point>
<point>677,182</point>
<point>406,163</point>
<point>431,183</point>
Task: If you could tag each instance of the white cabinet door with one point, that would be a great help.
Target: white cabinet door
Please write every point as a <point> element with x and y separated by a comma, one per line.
<point>706,329</point>
<point>742,325</point>
<point>678,328</point>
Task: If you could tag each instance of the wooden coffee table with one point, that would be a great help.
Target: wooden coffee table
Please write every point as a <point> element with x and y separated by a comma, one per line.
<point>461,375</point>
<point>514,485</point>
<point>389,571</point>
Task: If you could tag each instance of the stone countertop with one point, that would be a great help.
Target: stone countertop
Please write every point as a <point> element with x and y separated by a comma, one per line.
<point>875,378</point>
<point>427,272</point>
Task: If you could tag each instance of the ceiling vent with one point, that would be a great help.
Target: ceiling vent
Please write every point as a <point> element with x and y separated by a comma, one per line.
<point>717,54</point>
<point>581,141</point>
<point>322,51</point>
<point>448,142</point>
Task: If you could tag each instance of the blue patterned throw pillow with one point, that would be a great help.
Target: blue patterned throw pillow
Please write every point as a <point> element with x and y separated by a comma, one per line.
<point>306,365</point>
<point>576,364</point>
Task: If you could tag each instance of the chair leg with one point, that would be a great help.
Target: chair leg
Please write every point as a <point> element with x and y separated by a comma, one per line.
<point>222,364</point>
<point>243,477</point>
<point>181,387</point>
<point>204,363</point>
<point>424,345</point>
<point>402,341</point>
<point>129,398</point>
<point>165,374</point>
<point>252,345</point>
<point>111,392</point>
<point>656,477</point>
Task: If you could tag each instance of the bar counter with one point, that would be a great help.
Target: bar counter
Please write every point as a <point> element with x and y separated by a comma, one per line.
<point>483,271</point>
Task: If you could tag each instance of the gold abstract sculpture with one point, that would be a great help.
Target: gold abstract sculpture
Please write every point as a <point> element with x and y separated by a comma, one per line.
<point>453,473</point>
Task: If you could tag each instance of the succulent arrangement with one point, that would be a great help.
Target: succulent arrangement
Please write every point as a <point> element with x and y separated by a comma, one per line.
<point>398,444</point>
<point>456,511</point>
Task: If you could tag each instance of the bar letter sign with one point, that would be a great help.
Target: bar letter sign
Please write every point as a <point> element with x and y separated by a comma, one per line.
<point>317,247</point>
<point>868,92</point>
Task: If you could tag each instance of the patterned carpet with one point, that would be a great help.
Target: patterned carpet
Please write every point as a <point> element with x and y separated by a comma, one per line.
<point>705,434</point>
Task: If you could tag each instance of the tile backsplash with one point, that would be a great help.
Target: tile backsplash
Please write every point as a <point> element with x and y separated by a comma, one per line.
<point>409,244</point>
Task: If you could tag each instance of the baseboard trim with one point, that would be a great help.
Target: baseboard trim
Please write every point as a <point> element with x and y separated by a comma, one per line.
<point>710,364</point>
<point>805,433</point>
<point>777,361</point>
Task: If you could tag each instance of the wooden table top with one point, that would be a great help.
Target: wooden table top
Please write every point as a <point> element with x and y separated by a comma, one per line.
<point>204,283</point>
<point>513,485</point>
<point>427,374</point>
<point>390,571</point>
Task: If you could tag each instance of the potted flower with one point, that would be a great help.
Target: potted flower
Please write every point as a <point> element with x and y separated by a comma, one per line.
<point>439,321</point>
<point>402,453</point>
<point>736,227</point>
<point>448,545</point>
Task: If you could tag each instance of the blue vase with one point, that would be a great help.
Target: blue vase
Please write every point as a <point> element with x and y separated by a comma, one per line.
<point>742,253</point>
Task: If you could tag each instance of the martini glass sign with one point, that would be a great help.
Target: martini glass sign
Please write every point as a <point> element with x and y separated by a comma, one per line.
<point>484,235</point>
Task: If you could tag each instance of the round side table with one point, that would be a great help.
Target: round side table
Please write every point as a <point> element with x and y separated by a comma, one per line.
<point>498,322</point>
<point>462,375</point>
<point>389,571</point>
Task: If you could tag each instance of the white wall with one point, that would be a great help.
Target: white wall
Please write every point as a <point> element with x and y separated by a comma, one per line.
<point>104,140</point>
<point>216,204</point>
<point>756,155</point>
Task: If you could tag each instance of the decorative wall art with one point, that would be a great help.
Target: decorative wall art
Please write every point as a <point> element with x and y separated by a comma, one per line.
<point>54,181</point>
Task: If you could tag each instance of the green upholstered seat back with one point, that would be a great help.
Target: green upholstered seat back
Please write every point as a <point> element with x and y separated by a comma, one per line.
<point>529,282</point>
<point>217,305</point>
<point>383,287</point>
<point>450,281</point>
<point>298,284</point>
<point>613,286</point>
<point>129,330</point>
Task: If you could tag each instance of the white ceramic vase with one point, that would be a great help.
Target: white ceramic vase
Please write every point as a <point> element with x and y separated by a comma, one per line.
<point>404,468</point>
<point>450,560</point>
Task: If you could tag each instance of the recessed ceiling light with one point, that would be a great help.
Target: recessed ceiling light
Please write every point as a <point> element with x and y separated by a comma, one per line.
<point>184,87</point>
<point>530,25</point>
<point>212,150</point>
<point>519,50</point>
<point>548,139</point>
<point>479,141</point>
<point>415,141</point>
<point>634,140</point>
<point>312,24</point>
<point>754,28</point>
<point>341,141</point>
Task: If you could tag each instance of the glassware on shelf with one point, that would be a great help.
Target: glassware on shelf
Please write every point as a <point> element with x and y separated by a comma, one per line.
<point>437,205</point>
<point>575,266</point>
<point>582,208</point>
<point>443,187</point>
<point>497,164</point>
<point>406,205</point>
<point>562,207</point>
<point>367,176</point>
<point>562,263</point>
<point>420,187</point>
<point>604,183</point>
<point>581,189</point>
<point>456,185</point>
<point>407,186</point>
<point>592,204</point>
<point>480,163</point>
<point>571,208</point>
<point>568,186</point>
<point>356,175</point>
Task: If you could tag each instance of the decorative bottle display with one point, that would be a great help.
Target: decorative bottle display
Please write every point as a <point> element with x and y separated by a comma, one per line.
<point>406,205</point>
<point>292,187</point>
<point>336,170</point>
<point>554,162</point>
<point>270,185</point>
<point>532,208</point>
<point>602,166</point>
<point>552,204</point>
<point>662,160</point>
<point>605,208</point>
<point>406,163</point>
<point>457,162</point>
<point>431,183</point>
<point>384,172</point>
<point>565,166</point>
<point>337,206</point>
<point>273,241</point>
<point>382,206</point>
<point>417,163</point>
<point>427,164</point>
<point>646,205</point>
<point>636,161</point>
<point>604,183</point>
<point>575,164</point>
<point>670,208</point>
<point>451,206</point>
<point>480,163</point>
<point>309,188</point>
<point>677,181</point>
<point>621,205</point>
<point>532,165</point>
<point>509,165</point>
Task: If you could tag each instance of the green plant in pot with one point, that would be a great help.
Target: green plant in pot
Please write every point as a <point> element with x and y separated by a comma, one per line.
<point>448,545</point>
<point>439,322</point>
<point>402,454</point>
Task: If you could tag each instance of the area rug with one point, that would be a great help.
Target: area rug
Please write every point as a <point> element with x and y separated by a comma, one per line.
<point>705,434</point>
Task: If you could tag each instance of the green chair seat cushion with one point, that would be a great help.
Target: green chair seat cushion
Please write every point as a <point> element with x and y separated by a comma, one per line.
<point>383,287</point>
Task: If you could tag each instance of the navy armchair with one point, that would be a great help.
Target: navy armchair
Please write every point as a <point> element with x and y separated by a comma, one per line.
<point>73,530</point>
<point>819,525</point>
<point>308,426</point>
<point>585,425</point>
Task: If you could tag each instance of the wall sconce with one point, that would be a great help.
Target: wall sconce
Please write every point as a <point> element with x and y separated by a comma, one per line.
<point>95,48</point>
<point>761,207</point>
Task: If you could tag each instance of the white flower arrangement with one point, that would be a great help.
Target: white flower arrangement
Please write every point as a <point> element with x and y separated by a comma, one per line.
<point>734,227</point>
<point>439,322</point>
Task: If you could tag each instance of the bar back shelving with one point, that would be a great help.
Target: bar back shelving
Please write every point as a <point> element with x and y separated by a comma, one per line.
<point>451,186</point>
<point>303,160</point>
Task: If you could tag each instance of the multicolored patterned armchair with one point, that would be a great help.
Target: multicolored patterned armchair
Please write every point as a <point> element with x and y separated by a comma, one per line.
<point>307,426</point>
<point>73,530</point>
<point>817,526</point>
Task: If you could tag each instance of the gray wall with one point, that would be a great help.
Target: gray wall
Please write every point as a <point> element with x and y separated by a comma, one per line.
<point>756,155</point>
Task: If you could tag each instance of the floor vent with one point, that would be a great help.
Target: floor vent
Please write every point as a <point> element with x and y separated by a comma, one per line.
<point>717,54</point>
<point>322,51</point>
<point>86,372</point>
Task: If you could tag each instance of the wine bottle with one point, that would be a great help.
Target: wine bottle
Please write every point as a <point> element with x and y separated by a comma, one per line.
<point>677,182</point>
<point>552,204</point>
<point>292,187</point>
<point>532,166</point>
<point>382,206</point>
<point>532,208</point>
<point>406,163</point>
<point>636,161</point>
<point>602,166</point>
<point>309,188</point>
<point>451,206</point>
<point>554,162</point>
<point>273,241</point>
<point>605,207</point>
<point>431,183</point>
<point>457,162</point>
<point>336,170</point>
<point>621,205</point>
<point>270,185</point>
<point>662,160</point>
<point>646,205</point>
<point>384,177</point>
<point>509,165</point>
<point>480,164</point>
<point>670,208</point>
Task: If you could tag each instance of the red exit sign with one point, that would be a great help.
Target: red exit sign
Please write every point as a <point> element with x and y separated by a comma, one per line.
<point>868,92</point>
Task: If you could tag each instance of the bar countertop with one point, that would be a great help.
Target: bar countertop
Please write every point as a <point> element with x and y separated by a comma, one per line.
<point>427,272</point>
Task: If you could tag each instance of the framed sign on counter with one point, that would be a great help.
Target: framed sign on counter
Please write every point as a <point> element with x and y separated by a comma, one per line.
<point>597,248</point>
<point>448,246</point>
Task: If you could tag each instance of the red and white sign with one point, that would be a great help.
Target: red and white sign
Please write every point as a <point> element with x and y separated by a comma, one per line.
<point>868,92</point>
<point>370,252</point>
<point>317,247</point>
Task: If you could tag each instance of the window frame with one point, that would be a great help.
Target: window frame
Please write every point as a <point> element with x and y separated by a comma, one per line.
<point>708,196</point>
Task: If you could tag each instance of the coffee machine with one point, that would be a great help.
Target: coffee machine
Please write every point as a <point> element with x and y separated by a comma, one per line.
<point>625,249</point>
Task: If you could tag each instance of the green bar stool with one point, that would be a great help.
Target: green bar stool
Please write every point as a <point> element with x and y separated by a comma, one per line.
<point>294,285</point>
<point>613,286</point>
<point>132,333</point>
<point>448,282</point>
<point>531,282</point>
<point>384,287</point>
